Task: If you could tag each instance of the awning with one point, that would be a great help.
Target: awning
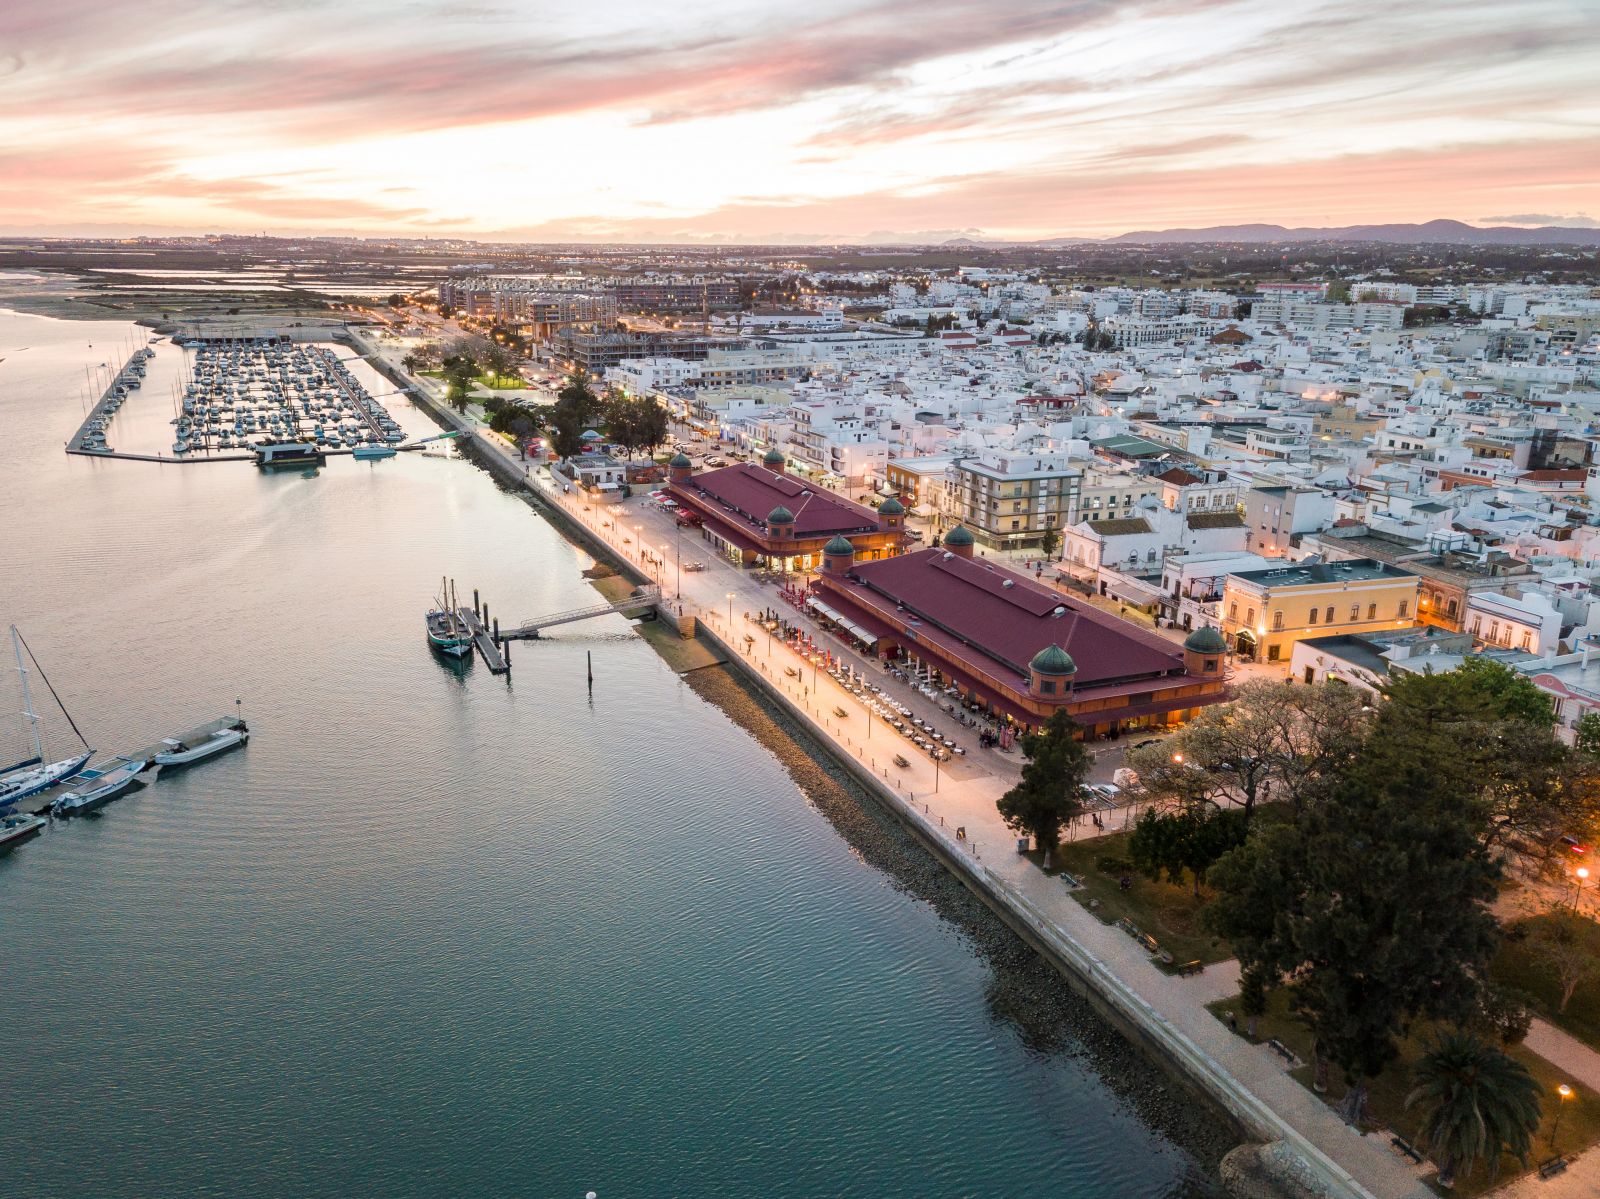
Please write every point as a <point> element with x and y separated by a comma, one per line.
<point>850,626</point>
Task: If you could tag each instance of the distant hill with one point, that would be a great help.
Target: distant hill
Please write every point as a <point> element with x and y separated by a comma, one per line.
<point>1433,232</point>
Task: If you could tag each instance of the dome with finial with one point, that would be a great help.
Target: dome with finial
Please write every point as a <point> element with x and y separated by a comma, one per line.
<point>780,516</point>
<point>773,457</point>
<point>1206,640</point>
<point>680,460</point>
<point>960,535</point>
<point>891,507</point>
<point>839,545</point>
<point>1053,661</point>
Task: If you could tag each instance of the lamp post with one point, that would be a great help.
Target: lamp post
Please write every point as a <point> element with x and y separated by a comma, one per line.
<point>639,542</point>
<point>678,590</point>
<point>1566,1093</point>
<point>730,612</point>
<point>1582,875</point>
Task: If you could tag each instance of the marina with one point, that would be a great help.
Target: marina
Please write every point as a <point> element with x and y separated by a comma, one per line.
<point>262,399</point>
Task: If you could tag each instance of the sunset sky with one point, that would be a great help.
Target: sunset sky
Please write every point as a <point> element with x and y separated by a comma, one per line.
<point>878,120</point>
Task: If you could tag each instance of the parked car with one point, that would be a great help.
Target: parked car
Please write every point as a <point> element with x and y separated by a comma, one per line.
<point>715,460</point>
<point>694,566</point>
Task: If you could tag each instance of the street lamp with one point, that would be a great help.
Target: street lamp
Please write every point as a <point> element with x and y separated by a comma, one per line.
<point>1177,759</point>
<point>638,541</point>
<point>1566,1093</point>
<point>730,611</point>
<point>1582,875</point>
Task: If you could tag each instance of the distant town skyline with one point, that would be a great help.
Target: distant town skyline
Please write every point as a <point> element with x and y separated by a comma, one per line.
<point>882,121</point>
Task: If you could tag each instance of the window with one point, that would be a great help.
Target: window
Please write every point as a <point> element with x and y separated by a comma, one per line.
<point>1527,640</point>
<point>1047,688</point>
<point>1233,610</point>
<point>1277,619</point>
<point>1249,616</point>
<point>1272,653</point>
<point>1313,619</point>
<point>1355,613</point>
<point>1405,606</point>
<point>1477,625</point>
<point>1372,611</point>
<point>1211,665</point>
<point>1451,609</point>
<point>1327,617</point>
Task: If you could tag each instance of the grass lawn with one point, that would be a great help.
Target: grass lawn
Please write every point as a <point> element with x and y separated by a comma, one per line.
<point>493,382</point>
<point>1169,914</point>
<point>1580,1123</point>
<point>1519,965</point>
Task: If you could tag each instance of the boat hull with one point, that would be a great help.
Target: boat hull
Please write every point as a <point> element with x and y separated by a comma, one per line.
<point>18,830</point>
<point>41,779</point>
<point>218,744</point>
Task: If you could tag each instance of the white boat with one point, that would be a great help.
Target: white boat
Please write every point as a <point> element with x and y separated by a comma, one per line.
<point>181,753</point>
<point>14,830</point>
<point>33,775</point>
<point>99,787</point>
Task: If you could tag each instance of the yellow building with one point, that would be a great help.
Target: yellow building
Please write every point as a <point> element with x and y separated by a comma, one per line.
<point>1264,612</point>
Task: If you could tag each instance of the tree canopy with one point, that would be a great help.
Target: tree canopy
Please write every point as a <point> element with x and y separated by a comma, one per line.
<point>1476,1103</point>
<point>1047,795</point>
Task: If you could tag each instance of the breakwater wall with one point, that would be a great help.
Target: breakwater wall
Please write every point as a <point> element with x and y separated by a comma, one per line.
<point>1117,1002</point>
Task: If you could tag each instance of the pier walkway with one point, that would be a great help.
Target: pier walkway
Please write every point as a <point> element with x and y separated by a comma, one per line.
<point>645,597</point>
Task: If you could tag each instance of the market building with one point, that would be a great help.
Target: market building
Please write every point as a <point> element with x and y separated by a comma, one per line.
<point>761,516</point>
<point>1012,647</point>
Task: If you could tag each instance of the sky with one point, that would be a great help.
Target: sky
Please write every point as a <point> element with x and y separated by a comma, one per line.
<point>823,121</point>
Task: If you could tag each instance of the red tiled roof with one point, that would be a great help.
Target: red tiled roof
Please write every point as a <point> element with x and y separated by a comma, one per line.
<point>746,493</point>
<point>967,611</point>
<point>1179,477</point>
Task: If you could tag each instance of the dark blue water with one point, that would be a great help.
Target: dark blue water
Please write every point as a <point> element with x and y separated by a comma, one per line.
<point>438,935</point>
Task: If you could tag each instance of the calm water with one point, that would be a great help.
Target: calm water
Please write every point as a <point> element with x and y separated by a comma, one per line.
<point>434,935</point>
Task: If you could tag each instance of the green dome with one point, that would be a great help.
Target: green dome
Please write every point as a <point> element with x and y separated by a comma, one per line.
<point>891,507</point>
<point>1206,640</point>
<point>780,516</point>
<point>960,535</point>
<point>773,457</point>
<point>1054,661</point>
<point>839,545</point>
<point>680,460</point>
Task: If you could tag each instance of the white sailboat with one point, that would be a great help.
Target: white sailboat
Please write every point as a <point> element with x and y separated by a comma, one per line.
<point>33,775</point>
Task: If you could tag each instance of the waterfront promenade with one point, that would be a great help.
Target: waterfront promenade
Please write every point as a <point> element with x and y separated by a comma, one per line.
<point>961,794</point>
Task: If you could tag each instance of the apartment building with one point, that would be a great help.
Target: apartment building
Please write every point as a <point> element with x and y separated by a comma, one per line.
<point>1265,612</point>
<point>1009,499</point>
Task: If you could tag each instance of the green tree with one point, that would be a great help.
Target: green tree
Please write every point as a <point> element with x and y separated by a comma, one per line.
<point>1587,738</point>
<point>1476,1103</point>
<point>459,376</point>
<point>578,394</point>
<point>566,432</point>
<point>1563,942</point>
<point>1049,543</point>
<point>1371,902</point>
<point>1185,842</point>
<point>1047,795</point>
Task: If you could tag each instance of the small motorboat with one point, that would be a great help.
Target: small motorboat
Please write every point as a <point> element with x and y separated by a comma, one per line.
<point>14,830</point>
<point>181,753</point>
<point>100,788</point>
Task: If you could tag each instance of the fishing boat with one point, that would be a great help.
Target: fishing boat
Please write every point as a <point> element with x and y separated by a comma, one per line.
<point>33,775</point>
<point>446,631</point>
<point>98,787</point>
<point>14,830</point>
<point>181,753</point>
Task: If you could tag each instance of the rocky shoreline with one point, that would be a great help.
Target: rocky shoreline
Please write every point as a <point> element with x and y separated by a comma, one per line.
<point>1024,990</point>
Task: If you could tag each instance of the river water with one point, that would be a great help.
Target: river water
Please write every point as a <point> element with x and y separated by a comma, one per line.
<point>437,934</point>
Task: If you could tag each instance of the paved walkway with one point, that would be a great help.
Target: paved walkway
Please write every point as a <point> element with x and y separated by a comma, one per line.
<point>962,795</point>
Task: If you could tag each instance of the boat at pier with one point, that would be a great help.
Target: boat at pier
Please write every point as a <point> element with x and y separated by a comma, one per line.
<point>33,775</point>
<point>447,632</point>
<point>181,752</point>
<point>373,451</point>
<point>98,787</point>
<point>14,830</point>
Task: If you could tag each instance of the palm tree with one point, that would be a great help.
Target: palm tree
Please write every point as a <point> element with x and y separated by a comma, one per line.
<point>1477,1103</point>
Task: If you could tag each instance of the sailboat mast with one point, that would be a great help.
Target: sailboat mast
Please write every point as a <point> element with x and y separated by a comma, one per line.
<point>27,696</point>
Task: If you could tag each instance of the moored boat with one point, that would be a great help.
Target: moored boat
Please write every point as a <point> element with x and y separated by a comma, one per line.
<point>98,788</point>
<point>33,775</point>
<point>447,633</point>
<point>14,830</point>
<point>182,753</point>
<point>373,451</point>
